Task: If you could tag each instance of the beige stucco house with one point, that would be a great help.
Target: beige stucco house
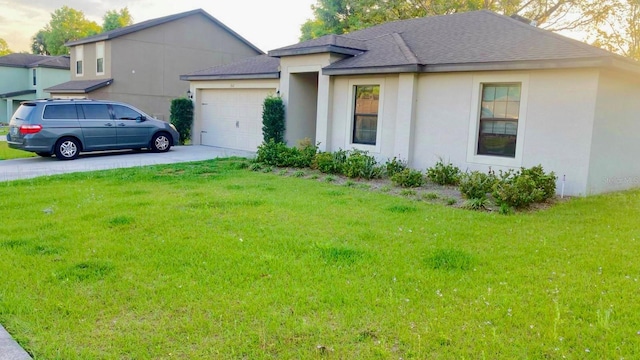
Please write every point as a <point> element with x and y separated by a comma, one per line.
<point>141,64</point>
<point>478,89</point>
<point>25,76</point>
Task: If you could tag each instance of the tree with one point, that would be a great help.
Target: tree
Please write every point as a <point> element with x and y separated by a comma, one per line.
<point>621,31</point>
<point>273,124</point>
<point>4,48</point>
<point>343,16</point>
<point>66,24</point>
<point>113,19</point>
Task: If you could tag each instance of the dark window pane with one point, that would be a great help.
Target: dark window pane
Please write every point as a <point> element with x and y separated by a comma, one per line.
<point>79,67</point>
<point>125,113</point>
<point>365,117</point>
<point>100,65</point>
<point>60,112</point>
<point>96,111</point>
<point>499,120</point>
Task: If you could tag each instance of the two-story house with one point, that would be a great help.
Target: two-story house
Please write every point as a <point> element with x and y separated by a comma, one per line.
<point>141,64</point>
<point>25,76</point>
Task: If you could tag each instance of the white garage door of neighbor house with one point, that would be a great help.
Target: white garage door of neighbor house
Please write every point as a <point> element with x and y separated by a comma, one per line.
<point>232,118</point>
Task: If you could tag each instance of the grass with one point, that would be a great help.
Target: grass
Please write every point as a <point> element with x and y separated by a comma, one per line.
<point>205,260</point>
<point>7,153</point>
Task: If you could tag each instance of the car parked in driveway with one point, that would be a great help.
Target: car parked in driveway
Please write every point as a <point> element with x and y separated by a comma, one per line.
<point>65,128</point>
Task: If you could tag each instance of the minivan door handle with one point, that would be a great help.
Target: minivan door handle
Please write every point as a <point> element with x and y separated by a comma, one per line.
<point>108,124</point>
<point>122,124</point>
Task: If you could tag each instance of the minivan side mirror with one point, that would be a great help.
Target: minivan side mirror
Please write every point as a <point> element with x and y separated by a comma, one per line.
<point>141,118</point>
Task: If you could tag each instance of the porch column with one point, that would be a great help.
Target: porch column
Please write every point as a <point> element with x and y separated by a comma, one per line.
<point>323,113</point>
<point>407,102</point>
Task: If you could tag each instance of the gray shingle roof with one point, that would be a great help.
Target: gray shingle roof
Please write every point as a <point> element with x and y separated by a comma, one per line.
<point>31,61</point>
<point>155,22</point>
<point>261,66</point>
<point>79,86</point>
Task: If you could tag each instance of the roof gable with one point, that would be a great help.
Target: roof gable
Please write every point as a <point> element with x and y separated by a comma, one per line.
<point>157,22</point>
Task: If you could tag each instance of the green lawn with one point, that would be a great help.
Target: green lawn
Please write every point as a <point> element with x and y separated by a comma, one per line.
<point>7,153</point>
<point>207,261</point>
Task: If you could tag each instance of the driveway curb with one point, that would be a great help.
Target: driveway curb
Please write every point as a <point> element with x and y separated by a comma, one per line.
<point>9,348</point>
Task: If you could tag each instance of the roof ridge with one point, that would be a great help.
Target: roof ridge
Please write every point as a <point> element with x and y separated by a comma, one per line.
<point>406,50</point>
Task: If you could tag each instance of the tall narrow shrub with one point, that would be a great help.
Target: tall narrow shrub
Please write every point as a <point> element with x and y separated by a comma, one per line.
<point>182,117</point>
<point>273,119</point>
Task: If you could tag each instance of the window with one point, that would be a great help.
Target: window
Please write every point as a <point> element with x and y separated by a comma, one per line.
<point>79,60</point>
<point>499,114</point>
<point>100,58</point>
<point>33,71</point>
<point>125,113</point>
<point>60,112</point>
<point>96,111</point>
<point>365,114</point>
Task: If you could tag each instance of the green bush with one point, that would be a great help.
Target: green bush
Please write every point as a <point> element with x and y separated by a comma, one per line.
<point>330,163</point>
<point>182,117</point>
<point>271,152</point>
<point>273,124</point>
<point>408,178</point>
<point>394,166</point>
<point>476,185</point>
<point>359,164</point>
<point>279,154</point>
<point>519,189</point>
<point>444,174</point>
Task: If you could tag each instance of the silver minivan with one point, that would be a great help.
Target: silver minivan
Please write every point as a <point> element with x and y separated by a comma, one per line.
<point>64,128</point>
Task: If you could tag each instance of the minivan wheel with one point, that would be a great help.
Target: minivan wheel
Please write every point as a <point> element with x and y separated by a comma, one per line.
<point>44,154</point>
<point>67,149</point>
<point>160,142</point>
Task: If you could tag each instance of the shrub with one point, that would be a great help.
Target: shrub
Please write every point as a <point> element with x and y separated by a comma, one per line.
<point>476,185</point>
<point>182,117</point>
<point>330,163</point>
<point>306,153</point>
<point>271,152</point>
<point>394,166</point>
<point>476,203</point>
<point>360,164</point>
<point>273,124</point>
<point>444,174</point>
<point>408,178</point>
<point>524,187</point>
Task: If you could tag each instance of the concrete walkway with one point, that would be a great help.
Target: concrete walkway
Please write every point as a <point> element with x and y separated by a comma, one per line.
<point>38,166</point>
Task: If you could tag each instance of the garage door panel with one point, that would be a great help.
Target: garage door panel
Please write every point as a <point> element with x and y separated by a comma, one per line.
<point>232,118</point>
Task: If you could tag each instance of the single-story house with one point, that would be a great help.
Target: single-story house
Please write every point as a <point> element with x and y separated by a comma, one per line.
<point>481,90</point>
<point>141,64</point>
<point>25,76</point>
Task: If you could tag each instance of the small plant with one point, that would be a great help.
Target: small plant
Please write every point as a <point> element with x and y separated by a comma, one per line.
<point>444,174</point>
<point>267,169</point>
<point>430,196</point>
<point>394,166</point>
<point>505,209</point>
<point>314,176</point>
<point>255,166</point>
<point>330,179</point>
<point>359,164</point>
<point>273,124</point>
<point>350,183</point>
<point>407,192</point>
<point>330,163</point>
<point>385,189</point>
<point>282,172</point>
<point>451,201</point>
<point>522,188</point>
<point>299,173</point>
<point>476,185</point>
<point>408,178</point>
<point>476,203</point>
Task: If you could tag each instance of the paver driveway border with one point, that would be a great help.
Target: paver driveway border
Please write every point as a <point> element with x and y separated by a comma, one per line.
<point>33,167</point>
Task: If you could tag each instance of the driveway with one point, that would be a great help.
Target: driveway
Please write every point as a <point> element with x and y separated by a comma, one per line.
<point>38,166</point>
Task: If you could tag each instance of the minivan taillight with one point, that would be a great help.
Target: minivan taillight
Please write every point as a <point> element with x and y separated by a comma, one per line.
<point>30,129</point>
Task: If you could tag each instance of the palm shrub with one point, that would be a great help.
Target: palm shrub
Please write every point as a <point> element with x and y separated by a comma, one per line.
<point>182,117</point>
<point>273,125</point>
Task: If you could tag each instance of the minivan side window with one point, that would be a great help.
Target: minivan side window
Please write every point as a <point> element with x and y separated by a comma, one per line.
<point>60,111</point>
<point>125,113</point>
<point>96,111</point>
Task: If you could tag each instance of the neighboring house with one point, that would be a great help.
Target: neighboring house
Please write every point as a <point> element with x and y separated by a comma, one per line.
<point>25,76</point>
<point>141,64</point>
<point>478,89</point>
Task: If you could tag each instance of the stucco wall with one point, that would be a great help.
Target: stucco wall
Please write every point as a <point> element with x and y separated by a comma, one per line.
<point>616,145</point>
<point>48,77</point>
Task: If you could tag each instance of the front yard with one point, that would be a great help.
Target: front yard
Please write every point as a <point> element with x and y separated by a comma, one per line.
<point>208,260</point>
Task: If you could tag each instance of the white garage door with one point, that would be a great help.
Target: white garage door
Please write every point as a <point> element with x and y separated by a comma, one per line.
<point>232,118</point>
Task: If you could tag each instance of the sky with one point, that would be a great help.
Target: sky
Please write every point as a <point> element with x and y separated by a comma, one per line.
<point>268,24</point>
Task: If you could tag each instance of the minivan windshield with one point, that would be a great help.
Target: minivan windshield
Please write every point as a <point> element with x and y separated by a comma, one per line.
<point>23,111</point>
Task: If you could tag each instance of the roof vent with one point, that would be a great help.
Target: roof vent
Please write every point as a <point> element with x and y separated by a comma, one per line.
<point>524,20</point>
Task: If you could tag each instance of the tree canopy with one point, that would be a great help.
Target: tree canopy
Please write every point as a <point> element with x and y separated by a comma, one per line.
<point>613,24</point>
<point>4,48</point>
<point>113,19</point>
<point>68,24</point>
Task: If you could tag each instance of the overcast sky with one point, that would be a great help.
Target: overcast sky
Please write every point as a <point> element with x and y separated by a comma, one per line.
<point>268,24</point>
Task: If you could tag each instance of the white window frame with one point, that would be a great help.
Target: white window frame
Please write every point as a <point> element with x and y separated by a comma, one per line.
<point>350,112</point>
<point>100,55</point>
<point>474,119</point>
<point>79,57</point>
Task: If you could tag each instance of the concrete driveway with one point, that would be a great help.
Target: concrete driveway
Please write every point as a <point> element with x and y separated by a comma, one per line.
<point>38,166</point>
